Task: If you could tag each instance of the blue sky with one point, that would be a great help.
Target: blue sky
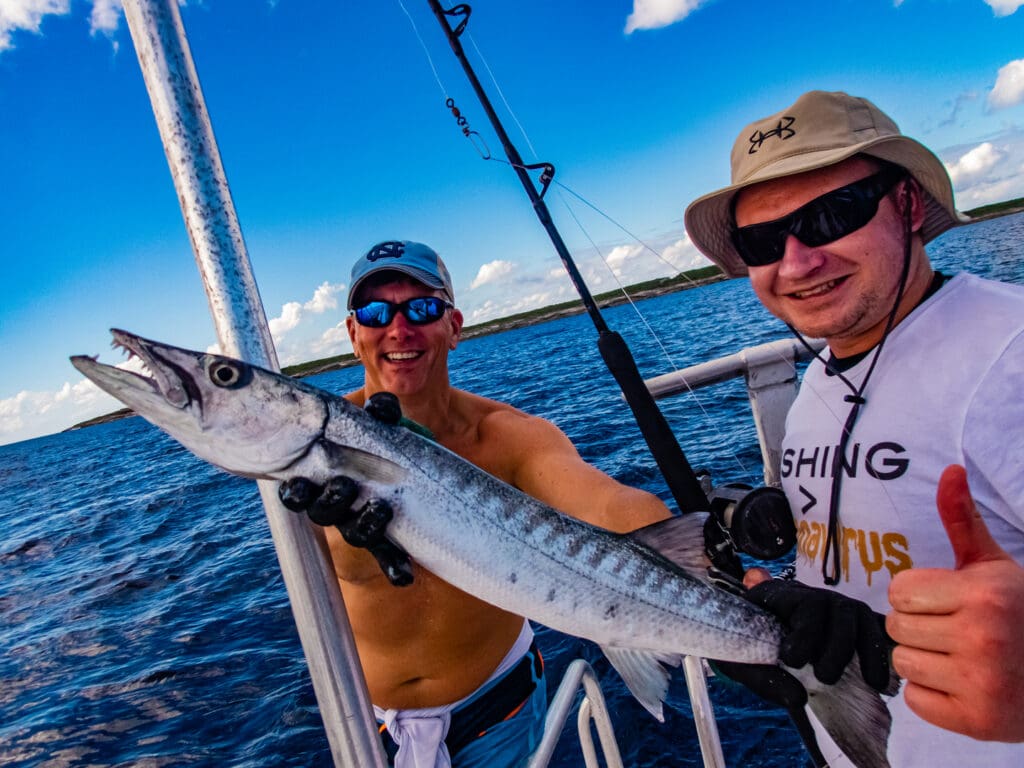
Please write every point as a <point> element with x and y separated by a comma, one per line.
<point>334,135</point>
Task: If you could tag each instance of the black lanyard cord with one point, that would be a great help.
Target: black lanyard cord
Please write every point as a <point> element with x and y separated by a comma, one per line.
<point>856,399</point>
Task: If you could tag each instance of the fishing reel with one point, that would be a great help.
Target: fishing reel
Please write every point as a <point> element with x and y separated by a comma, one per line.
<point>755,521</point>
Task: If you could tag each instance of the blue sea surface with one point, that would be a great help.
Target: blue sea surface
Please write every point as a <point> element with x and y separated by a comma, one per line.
<point>143,619</point>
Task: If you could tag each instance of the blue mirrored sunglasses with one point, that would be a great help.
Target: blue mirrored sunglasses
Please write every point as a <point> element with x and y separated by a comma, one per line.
<point>420,311</point>
<point>830,217</point>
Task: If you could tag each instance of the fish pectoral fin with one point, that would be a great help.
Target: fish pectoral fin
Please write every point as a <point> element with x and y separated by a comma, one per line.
<point>645,673</point>
<point>362,465</point>
<point>678,539</point>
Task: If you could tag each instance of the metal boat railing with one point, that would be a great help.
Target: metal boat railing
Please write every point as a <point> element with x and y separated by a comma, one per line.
<point>238,315</point>
<point>242,330</point>
<point>592,709</point>
<point>771,377</point>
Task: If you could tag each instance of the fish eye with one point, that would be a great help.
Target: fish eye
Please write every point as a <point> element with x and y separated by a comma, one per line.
<point>224,374</point>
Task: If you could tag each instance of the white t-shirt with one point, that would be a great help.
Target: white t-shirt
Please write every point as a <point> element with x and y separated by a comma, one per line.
<point>948,388</point>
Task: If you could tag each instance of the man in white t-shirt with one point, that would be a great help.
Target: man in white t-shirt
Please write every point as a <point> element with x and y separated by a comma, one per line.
<point>903,459</point>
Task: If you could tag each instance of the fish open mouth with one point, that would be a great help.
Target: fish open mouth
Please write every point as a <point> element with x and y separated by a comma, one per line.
<point>166,380</point>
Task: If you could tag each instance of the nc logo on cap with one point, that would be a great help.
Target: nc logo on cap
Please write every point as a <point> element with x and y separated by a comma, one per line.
<point>782,130</point>
<point>393,249</point>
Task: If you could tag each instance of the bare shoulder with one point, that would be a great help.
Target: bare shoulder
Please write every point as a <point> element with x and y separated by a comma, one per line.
<point>516,429</point>
<point>516,422</point>
<point>501,438</point>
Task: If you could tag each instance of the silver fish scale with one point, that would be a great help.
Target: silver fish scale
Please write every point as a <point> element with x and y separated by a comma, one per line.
<point>495,542</point>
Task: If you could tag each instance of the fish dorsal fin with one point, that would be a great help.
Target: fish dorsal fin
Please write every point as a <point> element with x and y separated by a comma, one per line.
<point>678,539</point>
<point>361,465</point>
<point>646,675</point>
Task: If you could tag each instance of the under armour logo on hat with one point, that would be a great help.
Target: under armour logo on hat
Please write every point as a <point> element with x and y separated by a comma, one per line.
<point>393,249</point>
<point>782,130</point>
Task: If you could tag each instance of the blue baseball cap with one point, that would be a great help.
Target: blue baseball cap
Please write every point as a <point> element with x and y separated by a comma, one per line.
<point>416,260</point>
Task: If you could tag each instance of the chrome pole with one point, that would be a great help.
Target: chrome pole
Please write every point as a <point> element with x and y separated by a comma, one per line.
<point>187,134</point>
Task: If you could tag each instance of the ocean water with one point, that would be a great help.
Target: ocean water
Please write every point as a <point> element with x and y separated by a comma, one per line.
<point>143,620</point>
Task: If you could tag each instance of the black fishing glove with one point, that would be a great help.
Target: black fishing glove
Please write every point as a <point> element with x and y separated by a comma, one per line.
<point>331,504</point>
<point>825,628</point>
<point>769,681</point>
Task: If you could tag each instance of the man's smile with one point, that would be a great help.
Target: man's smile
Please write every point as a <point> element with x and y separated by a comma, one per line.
<point>399,357</point>
<point>818,290</point>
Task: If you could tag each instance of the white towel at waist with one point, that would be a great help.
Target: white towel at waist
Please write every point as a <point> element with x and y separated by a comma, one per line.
<point>420,733</point>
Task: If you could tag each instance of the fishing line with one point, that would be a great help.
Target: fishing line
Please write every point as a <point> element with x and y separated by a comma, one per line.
<point>576,279</point>
<point>533,151</point>
<point>504,101</point>
<point>673,365</point>
<point>426,51</point>
<point>683,482</point>
<point>749,473</point>
<point>635,237</point>
<point>572,213</point>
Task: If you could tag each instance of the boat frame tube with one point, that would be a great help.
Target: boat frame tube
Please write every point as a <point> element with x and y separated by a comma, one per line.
<point>237,310</point>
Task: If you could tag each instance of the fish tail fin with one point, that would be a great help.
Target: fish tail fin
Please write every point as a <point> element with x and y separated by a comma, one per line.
<point>853,713</point>
<point>646,675</point>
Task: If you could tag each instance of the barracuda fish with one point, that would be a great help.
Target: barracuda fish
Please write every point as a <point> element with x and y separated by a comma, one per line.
<point>642,597</point>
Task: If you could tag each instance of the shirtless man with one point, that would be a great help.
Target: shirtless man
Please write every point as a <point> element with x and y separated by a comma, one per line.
<point>451,677</point>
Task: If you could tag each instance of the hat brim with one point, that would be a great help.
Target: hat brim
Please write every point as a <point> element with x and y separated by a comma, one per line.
<point>709,223</point>
<point>419,275</point>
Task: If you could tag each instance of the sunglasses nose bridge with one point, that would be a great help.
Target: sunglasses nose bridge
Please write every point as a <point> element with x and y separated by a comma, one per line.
<point>798,258</point>
<point>400,322</point>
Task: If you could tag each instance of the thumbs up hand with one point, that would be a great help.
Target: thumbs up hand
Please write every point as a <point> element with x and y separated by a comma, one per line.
<point>961,631</point>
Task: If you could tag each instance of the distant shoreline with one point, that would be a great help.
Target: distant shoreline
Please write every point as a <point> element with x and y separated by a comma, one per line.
<point>683,281</point>
<point>647,290</point>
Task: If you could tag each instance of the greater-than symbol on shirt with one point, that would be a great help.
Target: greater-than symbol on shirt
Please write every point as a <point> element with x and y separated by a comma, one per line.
<point>811,501</point>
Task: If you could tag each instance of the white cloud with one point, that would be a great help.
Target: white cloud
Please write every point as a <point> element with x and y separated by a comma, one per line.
<point>1009,88</point>
<point>1004,7</point>
<point>105,16</point>
<point>490,272</point>
<point>974,165</point>
<point>683,255</point>
<point>990,172</point>
<point>652,14</point>
<point>293,313</point>
<point>333,341</point>
<point>618,256</point>
<point>989,191</point>
<point>288,320</point>
<point>324,298</point>
<point>511,305</point>
<point>26,15</point>
<point>636,262</point>
<point>31,414</point>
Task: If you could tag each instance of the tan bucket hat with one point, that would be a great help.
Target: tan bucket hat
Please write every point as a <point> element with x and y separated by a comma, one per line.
<point>820,129</point>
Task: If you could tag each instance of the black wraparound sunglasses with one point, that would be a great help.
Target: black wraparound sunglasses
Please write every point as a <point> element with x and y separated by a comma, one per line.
<point>419,311</point>
<point>823,220</point>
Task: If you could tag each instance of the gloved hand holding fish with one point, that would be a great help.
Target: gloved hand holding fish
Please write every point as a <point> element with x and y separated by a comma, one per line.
<point>643,597</point>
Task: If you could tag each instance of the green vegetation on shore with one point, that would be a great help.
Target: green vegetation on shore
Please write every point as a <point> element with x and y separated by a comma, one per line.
<point>996,209</point>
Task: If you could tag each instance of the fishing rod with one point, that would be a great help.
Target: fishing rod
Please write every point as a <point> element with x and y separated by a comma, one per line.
<point>679,475</point>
